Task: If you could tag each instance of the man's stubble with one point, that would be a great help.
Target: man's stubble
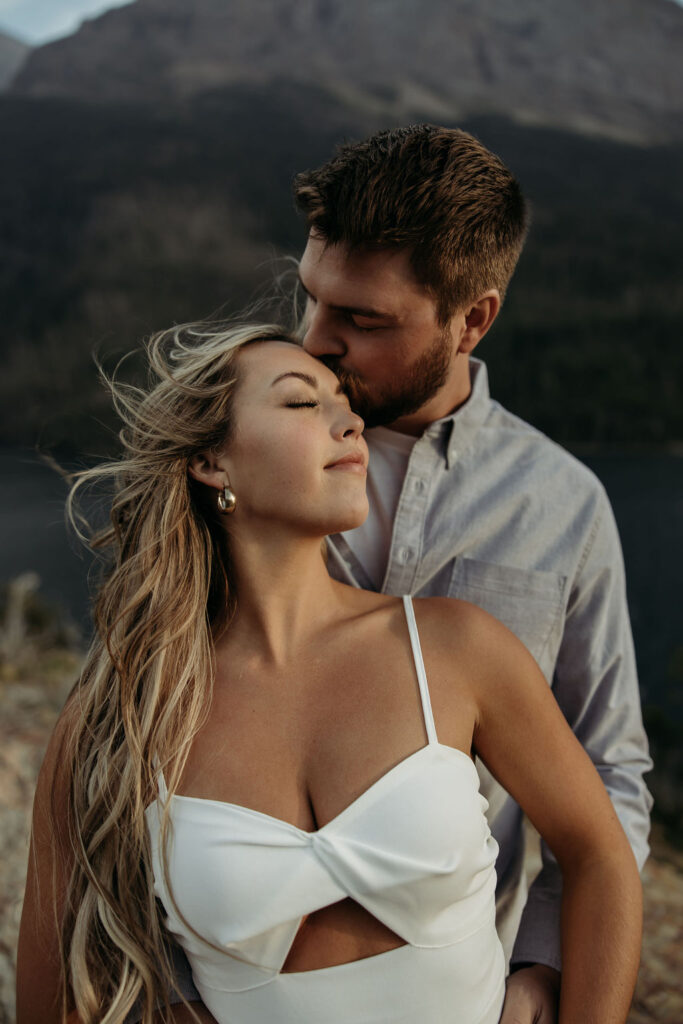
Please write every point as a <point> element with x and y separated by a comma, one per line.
<point>380,406</point>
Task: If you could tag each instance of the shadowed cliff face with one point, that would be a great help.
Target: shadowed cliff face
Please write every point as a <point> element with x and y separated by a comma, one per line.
<point>591,65</point>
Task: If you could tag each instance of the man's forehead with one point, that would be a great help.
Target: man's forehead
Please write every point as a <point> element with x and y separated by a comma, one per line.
<point>370,269</point>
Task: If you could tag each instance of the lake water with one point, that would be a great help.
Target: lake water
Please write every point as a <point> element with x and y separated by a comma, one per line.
<point>646,491</point>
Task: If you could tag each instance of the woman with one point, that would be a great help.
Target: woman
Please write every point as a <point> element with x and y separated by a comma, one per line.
<point>285,761</point>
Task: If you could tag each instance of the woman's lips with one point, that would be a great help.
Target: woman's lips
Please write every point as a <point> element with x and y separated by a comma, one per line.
<point>354,463</point>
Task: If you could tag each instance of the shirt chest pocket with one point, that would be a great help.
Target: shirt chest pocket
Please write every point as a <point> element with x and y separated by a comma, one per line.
<point>528,602</point>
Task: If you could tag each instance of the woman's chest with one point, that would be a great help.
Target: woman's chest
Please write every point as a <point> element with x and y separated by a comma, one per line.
<point>302,745</point>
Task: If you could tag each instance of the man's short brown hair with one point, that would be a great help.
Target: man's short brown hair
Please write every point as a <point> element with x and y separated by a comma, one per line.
<point>436,191</point>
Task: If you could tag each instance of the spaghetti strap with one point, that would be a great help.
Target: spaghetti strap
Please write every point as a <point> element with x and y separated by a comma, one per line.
<point>161,781</point>
<point>420,669</point>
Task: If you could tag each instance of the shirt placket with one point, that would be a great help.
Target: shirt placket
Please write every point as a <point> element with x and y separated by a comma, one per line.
<point>408,533</point>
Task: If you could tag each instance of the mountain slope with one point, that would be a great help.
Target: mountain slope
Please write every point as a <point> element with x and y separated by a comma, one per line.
<point>120,219</point>
<point>591,65</point>
<point>13,53</point>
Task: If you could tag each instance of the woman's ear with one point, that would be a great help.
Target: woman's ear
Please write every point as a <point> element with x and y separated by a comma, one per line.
<point>206,468</point>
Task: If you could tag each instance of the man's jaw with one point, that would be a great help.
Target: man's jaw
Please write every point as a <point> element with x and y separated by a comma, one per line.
<point>383,409</point>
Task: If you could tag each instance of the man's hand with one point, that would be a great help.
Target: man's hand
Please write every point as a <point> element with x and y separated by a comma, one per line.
<point>531,996</point>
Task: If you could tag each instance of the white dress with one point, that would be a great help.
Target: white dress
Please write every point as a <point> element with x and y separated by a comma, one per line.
<point>414,850</point>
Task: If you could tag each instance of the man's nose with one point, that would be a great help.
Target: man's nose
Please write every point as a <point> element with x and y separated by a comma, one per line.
<point>320,336</point>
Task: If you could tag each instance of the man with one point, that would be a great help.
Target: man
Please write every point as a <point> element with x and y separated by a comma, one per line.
<point>414,235</point>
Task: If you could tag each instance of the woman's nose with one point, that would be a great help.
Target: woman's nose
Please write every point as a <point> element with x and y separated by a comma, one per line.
<point>353,425</point>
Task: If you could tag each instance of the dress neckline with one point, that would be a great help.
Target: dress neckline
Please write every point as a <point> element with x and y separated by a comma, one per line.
<point>228,806</point>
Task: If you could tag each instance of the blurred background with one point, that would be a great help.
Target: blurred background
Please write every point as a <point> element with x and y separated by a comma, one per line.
<point>148,149</point>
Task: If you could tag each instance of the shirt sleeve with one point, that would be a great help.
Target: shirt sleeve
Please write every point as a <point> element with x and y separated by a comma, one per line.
<point>596,686</point>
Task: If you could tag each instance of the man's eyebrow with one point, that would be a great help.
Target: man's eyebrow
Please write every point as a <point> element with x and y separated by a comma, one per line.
<point>305,377</point>
<point>370,314</point>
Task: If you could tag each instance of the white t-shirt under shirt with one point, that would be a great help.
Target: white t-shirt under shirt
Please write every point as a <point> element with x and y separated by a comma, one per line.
<point>390,454</point>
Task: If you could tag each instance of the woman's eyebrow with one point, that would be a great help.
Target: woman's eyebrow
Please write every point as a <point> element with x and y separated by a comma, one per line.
<point>305,377</point>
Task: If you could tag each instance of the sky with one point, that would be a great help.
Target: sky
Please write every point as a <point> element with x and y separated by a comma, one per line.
<point>40,21</point>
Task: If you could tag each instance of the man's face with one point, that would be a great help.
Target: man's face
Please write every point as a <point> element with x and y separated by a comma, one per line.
<point>371,322</point>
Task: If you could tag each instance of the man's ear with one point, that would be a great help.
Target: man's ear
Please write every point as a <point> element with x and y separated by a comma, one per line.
<point>206,467</point>
<point>478,319</point>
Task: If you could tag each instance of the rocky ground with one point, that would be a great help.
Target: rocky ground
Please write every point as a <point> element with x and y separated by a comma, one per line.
<point>30,697</point>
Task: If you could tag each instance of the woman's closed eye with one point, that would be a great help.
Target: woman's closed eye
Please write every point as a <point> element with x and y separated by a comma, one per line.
<point>309,403</point>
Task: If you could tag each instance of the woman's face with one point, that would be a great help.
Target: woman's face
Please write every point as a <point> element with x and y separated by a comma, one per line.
<point>296,454</point>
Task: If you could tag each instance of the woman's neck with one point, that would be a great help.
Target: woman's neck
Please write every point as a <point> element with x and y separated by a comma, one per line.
<point>284,594</point>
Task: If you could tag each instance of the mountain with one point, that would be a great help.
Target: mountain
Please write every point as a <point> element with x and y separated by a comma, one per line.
<point>590,66</point>
<point>119,219</point>
<point>148,159</point>
<point>13,53</point>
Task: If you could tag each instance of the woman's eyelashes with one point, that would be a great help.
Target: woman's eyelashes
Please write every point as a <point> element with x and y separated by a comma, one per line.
<point>309,403</point>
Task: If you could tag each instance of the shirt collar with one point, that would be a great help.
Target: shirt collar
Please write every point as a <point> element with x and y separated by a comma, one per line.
<point>455,432</point>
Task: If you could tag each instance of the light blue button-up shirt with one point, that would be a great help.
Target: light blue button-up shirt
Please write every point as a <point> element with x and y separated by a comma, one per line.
<point>493,512</point>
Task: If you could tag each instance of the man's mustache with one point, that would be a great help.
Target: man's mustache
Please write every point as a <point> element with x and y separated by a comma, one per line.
<point>349,381</point>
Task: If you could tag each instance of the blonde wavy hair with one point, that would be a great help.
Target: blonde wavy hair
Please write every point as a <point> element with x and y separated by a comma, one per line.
<point>147,682</point>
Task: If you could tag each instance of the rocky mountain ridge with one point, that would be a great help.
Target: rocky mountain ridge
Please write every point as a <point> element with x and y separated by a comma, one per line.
<point>590,67</point>
<point>13,53</point>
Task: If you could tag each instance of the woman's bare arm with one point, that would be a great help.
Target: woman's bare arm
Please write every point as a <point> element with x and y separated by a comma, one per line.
<point>523,738</point>
<point>39,998</point>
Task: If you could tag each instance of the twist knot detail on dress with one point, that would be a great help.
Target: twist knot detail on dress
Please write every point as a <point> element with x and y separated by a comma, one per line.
<point>414,850</point>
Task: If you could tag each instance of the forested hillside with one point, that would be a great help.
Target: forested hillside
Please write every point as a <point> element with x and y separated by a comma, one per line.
<point>120,219</point>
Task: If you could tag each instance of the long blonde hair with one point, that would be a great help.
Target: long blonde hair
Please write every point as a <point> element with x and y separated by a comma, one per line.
<point>147,682</point>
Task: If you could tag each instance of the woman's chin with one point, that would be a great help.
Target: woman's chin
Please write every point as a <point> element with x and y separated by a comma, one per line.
<point>352,519</point>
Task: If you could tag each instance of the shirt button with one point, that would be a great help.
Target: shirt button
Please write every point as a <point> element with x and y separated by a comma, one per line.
<point>406,555</point>
<point>419,486</point>
<point>453,453</point>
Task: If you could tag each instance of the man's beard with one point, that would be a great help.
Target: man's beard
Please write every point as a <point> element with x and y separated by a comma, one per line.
<point>402,397</point>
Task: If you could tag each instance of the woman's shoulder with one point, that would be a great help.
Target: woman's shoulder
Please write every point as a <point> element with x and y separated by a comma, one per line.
<point>54,777</point>
<point>367,606</point>
<point>452,632</point>
<point>460,633</point>
<point>449,620</point>
<point>65,729</point>
<point>462,619</point>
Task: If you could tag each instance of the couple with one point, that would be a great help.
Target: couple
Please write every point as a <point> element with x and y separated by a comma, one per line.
<point>284,761</point>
